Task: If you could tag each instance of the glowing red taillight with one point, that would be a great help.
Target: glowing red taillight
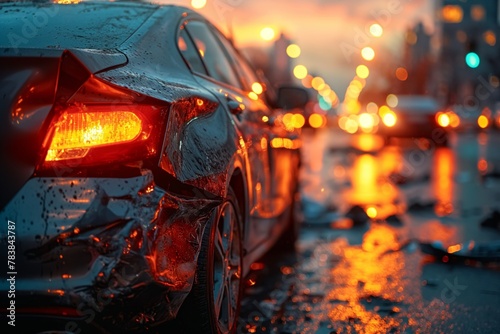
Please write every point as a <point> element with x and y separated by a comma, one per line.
<point>79,129</point>
<point>83,135</point>
<point>96,123</point>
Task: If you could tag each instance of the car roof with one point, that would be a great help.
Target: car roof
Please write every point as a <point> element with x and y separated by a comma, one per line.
<point>86,25</point>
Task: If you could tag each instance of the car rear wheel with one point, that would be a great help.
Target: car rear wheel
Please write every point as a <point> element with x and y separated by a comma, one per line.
<point>215,297</point>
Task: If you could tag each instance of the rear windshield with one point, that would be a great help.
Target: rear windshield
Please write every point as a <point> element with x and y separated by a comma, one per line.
<point>86,25</point>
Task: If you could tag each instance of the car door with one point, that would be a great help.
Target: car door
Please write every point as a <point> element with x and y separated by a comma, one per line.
<point>280,158</point>
<point>219,75</point>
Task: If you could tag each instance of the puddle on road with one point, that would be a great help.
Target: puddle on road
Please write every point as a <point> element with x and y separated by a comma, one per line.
<point>372,277</point>
<point>455,185</point>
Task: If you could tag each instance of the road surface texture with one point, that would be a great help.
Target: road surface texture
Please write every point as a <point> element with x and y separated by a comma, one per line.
<point>401,238</point>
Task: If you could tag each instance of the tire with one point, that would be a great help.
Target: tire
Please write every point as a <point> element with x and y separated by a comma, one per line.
<point>214,302</point>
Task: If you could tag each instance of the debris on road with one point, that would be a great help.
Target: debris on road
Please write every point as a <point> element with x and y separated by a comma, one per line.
<point>492,221</point>
<point>421,206</point>
<point>394,220</point>
<point>358,215</point>
<point>487,252</point>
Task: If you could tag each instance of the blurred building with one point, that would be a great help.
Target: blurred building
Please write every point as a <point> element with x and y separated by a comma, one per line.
<point>280,67</point>
<point>417,59</point>
<point>468,64</point>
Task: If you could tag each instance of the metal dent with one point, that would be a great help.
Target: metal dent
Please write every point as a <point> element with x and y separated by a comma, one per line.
<point>199,151</point>
<point>126,240</point>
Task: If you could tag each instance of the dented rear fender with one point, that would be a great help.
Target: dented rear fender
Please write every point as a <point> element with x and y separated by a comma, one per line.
<point>98,245</point>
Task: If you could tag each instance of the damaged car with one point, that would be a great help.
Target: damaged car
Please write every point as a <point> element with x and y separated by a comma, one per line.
<point>142,173</point>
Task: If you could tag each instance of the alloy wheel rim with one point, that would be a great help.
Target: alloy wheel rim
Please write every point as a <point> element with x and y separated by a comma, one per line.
<point>227,269</point>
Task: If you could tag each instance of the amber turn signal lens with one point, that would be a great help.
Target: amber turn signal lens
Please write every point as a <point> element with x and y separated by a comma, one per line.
<point>76,133</point>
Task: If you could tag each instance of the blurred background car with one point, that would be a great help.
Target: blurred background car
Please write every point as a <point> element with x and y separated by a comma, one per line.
<point>137,168</point>
<point>412,116</point>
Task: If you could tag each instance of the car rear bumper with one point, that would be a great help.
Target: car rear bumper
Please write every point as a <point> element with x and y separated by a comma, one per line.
<point>101,252</point>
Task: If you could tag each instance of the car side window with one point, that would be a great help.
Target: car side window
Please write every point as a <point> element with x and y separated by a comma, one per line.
<point>244,70</point>
<point>215,60</point>
<point>189,53</point>
<point>247,74</point>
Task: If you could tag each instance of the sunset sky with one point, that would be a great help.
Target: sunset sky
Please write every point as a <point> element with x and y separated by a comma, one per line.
<point>329,32</point>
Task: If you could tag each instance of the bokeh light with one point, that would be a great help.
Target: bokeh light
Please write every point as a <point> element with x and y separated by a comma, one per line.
<point>317,121</point>
<point>366,122</point>
<point>198,4</point>
<point>362,71</point>
<point>472,59</point>
<point>482,165</point>
<point>257,88</point>
<point>318,83</point>
<point>253,96</point>
<point>300,72</point>
<point>384,110</point>
<point>324,103</point>
<point>367,53</point>
<point>267,34</point>
<point>298,121</point>
<point>483,122</point>
<point>443,119</point>
<point>452,13</point>
<point>326,91</point>
<point>454,120</point>
<point>389,119</point>
<point>401,74</point>
<point>372,107</point>
<point>306,81</point>
<point>376,30</point>
<point>353,91</point>
<point>371,212</point>
<point>490,38</point>
<point>392,100</point>
<point>293,51</point>
<point>351,125</point>
<point>352,106</point>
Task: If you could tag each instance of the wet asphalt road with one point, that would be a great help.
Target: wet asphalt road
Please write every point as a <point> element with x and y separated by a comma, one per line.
<point>358,274</point>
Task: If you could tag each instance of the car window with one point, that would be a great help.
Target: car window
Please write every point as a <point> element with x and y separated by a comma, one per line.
<point>244,70</point>
<point>247,74</point>
<point>214,58</point>
<point>189,53</point>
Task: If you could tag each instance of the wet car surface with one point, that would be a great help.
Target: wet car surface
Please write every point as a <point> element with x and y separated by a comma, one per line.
<point>146,168</point>
<point>139,178</point>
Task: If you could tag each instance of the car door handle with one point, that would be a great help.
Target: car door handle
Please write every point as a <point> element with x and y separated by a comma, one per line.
<point>235,107</point>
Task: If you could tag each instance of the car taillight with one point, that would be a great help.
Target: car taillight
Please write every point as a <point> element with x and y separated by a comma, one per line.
<point>97,123</point>
<point>77,131</point>
<point>83,135</point>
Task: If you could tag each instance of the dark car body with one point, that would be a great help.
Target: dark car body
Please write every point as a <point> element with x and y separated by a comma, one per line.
<point>105,222</point>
